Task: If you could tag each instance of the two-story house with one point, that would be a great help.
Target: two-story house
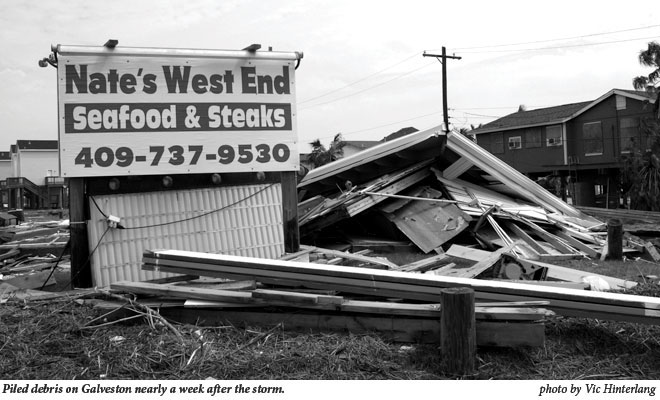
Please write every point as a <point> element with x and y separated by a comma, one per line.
<point>576,148</point>
<point>31,178</point>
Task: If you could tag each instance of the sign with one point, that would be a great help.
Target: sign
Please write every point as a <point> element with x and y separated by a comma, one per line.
<point>158,111</point>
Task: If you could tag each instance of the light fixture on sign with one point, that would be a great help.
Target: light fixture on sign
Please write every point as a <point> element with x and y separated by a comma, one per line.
<point>216,179</point>
<point>114,184</point>
<point>167,181</point>
<point>253,47</point>
<point>261,176</point>
<point>111,43</point>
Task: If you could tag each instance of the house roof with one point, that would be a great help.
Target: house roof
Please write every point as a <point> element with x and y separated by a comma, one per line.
<point>540,116</point>
<point>37,144</point>
<point>361,144</point>
<point>375,161</point>
<point>555,114</point>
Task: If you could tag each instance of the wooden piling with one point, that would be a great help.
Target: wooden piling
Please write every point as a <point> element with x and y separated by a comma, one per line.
<point>458,331</point>
<point>614,239</point>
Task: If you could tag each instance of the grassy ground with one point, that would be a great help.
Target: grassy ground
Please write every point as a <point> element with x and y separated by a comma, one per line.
<point>52,340</point>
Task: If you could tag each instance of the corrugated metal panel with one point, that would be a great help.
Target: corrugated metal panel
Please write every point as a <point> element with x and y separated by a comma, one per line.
<point>236,220</point>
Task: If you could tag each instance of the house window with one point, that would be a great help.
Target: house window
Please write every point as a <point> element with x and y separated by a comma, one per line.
<point>592,133</point>
<point>620,102</point>
<point>533,138</point>
<point>553,135</point>
<point>515,142</point>
<point>498,143</point>
<point>629,134</point>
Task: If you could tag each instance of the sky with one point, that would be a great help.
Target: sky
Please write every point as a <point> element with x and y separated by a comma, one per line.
<point>363,73</point>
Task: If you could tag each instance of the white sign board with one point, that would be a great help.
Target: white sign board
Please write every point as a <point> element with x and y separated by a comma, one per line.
<point>142,112</point>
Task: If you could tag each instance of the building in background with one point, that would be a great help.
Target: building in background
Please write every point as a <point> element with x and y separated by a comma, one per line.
<point>573,149</point>
<point>30,176</point>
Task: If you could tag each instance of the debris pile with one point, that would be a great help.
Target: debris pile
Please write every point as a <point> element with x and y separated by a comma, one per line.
<point>387,229</point>
<point>30,251</point>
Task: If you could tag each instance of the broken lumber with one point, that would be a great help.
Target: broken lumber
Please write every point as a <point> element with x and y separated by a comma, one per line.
<point>404,285</point>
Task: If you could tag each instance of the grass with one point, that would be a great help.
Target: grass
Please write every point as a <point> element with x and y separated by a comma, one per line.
<point>54,340</point>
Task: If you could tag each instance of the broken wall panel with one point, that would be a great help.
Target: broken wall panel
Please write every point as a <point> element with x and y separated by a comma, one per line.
<point>430,225</point>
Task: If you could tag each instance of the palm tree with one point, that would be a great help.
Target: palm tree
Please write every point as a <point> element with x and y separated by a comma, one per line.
<point>321,156</point>
<point>650,58</point>
<point>640,172</point>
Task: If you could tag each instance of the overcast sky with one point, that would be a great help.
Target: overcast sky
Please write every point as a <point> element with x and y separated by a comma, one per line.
<point>363,73</point>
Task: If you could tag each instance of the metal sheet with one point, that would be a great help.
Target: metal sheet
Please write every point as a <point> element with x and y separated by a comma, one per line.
<point>430,225</point>
<point>236,220</point>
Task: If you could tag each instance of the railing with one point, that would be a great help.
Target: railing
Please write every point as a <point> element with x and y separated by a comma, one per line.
<point>54,181</point>
<point>24,183</point>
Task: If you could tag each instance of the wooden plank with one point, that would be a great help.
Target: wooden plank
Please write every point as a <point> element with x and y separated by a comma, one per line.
<point>578,244</point>
<point>396,187</point>
<point>219,263</point>
<point>297,254</point>
<point>250,284</point>
<point>442,270</point>
<point>555,272</point>
<point>423,264</point>
<point>81,270</point>
<point>563,301</point>
<point>525,237</point>
<point>651,251</point>
<point>560,257</point>
<point>457,169</point>
<point>290,226</point>
<point>565,285</point>
<point>294,297</point>
<point>480,266</point>
<point>548,237</point>
<point>356,257</point>
<point>467,253</point>
<point>185,292</point>
<point>173,279</point>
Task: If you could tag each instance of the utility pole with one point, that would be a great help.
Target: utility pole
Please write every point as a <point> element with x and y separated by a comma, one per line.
<point>444,56</point>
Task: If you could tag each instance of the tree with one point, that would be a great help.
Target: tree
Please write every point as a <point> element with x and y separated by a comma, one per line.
<point>468,132</point>
<point>650,58</point>
<point>321,156</point>
<point>640,173</point>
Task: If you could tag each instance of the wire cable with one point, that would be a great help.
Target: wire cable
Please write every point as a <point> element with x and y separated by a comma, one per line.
<point>368,88</point>
<point>359,80</point>
<point>195,217</point>
<point>98,243</point>
<point>557,47</point>
<point>558,39</point>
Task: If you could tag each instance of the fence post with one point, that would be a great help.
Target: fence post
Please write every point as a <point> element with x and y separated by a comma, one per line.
<point>614,239</point>
<point>458,331</point>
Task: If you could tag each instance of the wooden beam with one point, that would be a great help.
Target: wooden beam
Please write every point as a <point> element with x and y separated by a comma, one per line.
<point>392,189</point>
<point>352,256</point>
<point>401,284</point>
<point>525,237</point>
<point>81,271</point>
<point>578,244</point>
<point>458,168</point>
<point>458,331</point>
<point>422,265</point>
<point>480,266</point>
<point>290,211</point>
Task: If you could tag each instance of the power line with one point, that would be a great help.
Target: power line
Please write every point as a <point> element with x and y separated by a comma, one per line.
<point>558,47</point>
<point>366,89</point>
<point>554,40</point>
<point>359,80</point>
